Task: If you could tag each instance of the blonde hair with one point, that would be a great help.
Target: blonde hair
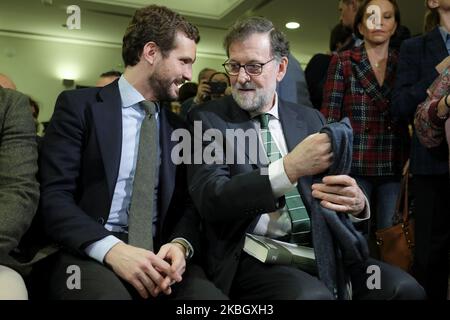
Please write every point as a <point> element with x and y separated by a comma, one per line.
<point>432,19</point>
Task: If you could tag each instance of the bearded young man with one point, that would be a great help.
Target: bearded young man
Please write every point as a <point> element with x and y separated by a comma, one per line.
<point>89,168</point>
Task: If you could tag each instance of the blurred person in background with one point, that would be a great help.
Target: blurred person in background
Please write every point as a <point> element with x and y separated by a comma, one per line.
<point>107,78</point>
<point>422,60</point>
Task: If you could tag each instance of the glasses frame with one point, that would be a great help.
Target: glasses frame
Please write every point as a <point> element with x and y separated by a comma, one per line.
<point>245,66</point>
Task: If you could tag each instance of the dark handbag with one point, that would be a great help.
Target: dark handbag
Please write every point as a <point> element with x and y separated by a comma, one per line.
<point>396,243</point>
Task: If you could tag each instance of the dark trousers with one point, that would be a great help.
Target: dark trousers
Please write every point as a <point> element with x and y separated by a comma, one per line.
<point>395,284</point>
<point>98,282</point>
<point>255,280</point>
<point>432,214</point>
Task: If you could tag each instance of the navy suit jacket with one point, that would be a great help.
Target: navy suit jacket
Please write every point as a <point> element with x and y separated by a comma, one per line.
<point>293,88</point>
<point>79,165</point>
<point>229,197</point>
<point>416,72</point>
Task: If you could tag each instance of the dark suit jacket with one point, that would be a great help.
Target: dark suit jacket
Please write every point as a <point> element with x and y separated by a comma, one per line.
<point>79,165</point>
<point>416,72</point>
<point>230,197</point>
<point>293,87</point>
<point>315,74</point>
<point>19,189</point>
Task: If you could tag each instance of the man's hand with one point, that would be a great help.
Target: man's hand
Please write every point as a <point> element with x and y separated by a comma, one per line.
<point>203,91</point>
<point>141,268</point>
<point>311,156</point>
<point>341,194</point>
<point>173,253</point>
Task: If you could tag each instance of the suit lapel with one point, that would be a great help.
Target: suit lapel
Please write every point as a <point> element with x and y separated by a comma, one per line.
<point>107,116</point>
<point>241,120</point>
<point>294,127</point>
<point>168,169</point>
<point>365,75</point>
<point>435,45</point>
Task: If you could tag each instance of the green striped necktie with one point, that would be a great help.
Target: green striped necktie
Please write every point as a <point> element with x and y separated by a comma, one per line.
<point>301,226</point>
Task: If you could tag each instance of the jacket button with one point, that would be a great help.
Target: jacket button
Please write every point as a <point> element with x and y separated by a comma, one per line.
<point>101,221</point>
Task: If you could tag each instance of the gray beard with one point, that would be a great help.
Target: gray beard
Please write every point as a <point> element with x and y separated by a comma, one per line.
<point>254,105</point>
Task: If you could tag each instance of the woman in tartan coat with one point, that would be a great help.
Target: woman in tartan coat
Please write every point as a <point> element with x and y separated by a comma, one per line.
<point>359,86</point>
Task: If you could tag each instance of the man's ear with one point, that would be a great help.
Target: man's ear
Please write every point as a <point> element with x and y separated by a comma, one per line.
<point>149,52</point>
<point>433,4</point>
<point>282,68</point>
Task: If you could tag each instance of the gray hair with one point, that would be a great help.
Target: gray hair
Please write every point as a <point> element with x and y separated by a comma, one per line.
<point>243,29</point>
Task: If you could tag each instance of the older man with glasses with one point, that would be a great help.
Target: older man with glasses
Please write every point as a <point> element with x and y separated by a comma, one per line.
<point>234,199</point>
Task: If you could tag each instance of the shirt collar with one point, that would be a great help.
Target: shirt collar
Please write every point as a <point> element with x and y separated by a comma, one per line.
<point>273,112</point>
<point>129,95</point>
<point>444,33</point>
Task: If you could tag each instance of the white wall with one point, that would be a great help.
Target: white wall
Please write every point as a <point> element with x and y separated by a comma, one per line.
<point>37,66</point>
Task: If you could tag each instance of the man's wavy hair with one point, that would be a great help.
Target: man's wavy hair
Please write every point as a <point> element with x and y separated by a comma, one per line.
<point>243,29</point>
<point>158,24</point>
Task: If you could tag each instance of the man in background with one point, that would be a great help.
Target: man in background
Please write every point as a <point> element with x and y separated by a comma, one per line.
<point>202,91</point>
<point>107,77</point>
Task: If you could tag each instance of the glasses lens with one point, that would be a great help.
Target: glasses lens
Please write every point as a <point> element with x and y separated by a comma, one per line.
<point>234,68</point>
<point>253,69</point>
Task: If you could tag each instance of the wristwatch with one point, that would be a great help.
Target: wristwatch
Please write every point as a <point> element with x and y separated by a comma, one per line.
<point>448,107</point>
<point>185,245</point>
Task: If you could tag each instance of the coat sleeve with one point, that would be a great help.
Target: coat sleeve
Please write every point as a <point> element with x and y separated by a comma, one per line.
<point>222,197</point>
<point>19,189</point>
<point>411,86</point>
<point>334,89</point>
<point>60,161</point>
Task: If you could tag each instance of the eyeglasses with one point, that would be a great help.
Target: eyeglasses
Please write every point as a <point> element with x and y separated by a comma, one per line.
<point>252,69</point>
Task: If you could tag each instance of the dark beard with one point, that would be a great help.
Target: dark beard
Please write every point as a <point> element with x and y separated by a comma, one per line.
<point>160,87</point>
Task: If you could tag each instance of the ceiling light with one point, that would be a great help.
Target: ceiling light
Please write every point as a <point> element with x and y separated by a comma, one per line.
<point>292,25</point>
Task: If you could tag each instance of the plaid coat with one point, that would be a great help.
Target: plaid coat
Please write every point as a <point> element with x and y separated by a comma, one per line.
<point>352,90</point>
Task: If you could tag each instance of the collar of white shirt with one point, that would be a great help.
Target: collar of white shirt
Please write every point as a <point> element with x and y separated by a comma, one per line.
<point>129,95</point>
<point>273,112</point>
